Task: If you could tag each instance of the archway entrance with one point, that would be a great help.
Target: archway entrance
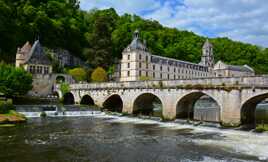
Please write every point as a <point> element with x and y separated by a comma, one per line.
<point>60,79</point>
<point>148,104</point>
<point>254,112</point>
<point>198,106</point>
<point>68,99</point>
<point>87,100</point>
<point>114,103</point>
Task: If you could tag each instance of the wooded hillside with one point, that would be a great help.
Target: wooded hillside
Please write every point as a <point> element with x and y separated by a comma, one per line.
<point>99,35</point>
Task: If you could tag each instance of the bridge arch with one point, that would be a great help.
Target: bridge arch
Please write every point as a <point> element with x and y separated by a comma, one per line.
<point>68,99</point>
<point>87,100</point>
<point>148,104</point>
<point>113,103</point>
<point>248,110</point>
<point>198,105</point>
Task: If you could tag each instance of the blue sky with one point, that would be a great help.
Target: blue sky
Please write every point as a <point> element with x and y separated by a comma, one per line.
<point>242,20</point>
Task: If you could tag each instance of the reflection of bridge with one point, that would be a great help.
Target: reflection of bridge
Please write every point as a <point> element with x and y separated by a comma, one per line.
<point>236,97</point>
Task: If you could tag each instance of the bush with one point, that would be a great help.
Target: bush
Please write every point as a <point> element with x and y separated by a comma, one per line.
<point>144,78</point>
<point>6,106</point>
<point>65,88</point>
<point>79,74</point>
<point>14,81</point>
<point>99,75</point>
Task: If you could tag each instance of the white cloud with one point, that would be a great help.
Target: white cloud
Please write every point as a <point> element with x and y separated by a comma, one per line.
<point>122,6</point>
<point>243,20</point>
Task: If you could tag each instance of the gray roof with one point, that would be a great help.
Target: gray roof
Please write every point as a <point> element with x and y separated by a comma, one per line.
<point>207,44</point>
<point>239,68</point>
<point>37,55</point>
<point>136,43</point>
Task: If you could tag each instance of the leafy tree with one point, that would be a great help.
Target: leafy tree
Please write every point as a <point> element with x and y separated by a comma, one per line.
<point>14,81</point>
<point>65,88</point>
<point>99,36</point>
<point>79,74</point>
<point>99,75</point>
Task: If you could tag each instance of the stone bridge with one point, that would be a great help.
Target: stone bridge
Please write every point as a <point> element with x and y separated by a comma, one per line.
<point>236,97</point>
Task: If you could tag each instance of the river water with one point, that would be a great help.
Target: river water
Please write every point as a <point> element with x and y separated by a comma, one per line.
<point>98,137</point>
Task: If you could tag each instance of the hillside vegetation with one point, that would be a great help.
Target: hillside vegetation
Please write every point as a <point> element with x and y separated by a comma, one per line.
<point>99,36</point>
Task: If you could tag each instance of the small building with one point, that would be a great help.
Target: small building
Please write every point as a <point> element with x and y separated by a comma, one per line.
<point>223,70</point>
<point>33,59</point>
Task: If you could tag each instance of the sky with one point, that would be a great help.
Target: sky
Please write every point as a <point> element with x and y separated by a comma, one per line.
<point>241,20</point>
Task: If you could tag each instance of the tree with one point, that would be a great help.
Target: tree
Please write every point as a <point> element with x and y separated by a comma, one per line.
<point>79,74</point>
<point>14,81</point>
<point>99,75</point>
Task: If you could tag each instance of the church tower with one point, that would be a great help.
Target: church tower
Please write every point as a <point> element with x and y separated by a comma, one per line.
<point>207,55</point>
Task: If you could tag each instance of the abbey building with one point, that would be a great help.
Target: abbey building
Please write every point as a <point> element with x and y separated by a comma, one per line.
<point>138,63</point>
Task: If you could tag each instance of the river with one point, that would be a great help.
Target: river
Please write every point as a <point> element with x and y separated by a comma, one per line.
<point>98,137</point>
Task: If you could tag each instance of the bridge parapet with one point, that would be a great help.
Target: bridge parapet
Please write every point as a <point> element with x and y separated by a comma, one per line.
<point>253,81</point>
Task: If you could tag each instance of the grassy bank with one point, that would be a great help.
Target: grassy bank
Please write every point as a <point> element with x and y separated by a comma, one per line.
<point>12,117</point>
<point>262,128</point>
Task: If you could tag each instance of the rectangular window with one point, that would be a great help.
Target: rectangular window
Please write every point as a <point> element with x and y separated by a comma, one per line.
<point>153,75</point>
<point>146,58</point>
<point>161,68</point>
<point>128,57</point>
<point>168,69</point>
<point>146,73</point>
<point>153,67</point>
<point>128,73</point>
<point>139,73</point>
<point>147,65</point>
<point>140,56</point>
<point>128,65</point>
<point>168,76</point>
<point>46,70</point>
<point>140,64</point>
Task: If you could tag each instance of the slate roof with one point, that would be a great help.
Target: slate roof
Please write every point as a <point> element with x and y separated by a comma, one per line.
<point>37,55</point>
<point>239,68</point>
<point>207,44</point>
<point>136,43</point>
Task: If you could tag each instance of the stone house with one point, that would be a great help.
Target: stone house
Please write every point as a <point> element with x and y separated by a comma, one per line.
<point>223,70</point>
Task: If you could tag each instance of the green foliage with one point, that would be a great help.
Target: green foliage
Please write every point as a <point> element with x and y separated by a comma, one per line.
<point>145,78</point>
<point>14,81</point>
<point>79,74</point>
<point>99,75</point>
<point>99,36</point>
<point>65,88</point>
<point>6,106</point>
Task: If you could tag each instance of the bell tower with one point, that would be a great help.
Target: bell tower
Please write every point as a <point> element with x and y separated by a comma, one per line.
<point>207,55</point>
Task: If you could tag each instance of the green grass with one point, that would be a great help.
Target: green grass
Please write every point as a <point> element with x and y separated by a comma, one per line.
<point>7,125</point>
<point>262,128</point>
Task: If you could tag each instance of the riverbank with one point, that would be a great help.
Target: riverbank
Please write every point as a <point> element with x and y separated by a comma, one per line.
<point>12,117</point>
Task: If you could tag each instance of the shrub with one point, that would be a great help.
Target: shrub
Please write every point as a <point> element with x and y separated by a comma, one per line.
<point>144,78</point>
<point>6,106</point>
<point>65,88</point>
<point>99,75</point>
<point>79,74</point>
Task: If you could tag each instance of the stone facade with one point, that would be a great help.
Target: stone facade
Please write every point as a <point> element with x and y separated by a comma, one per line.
<point>223,70</point>
<point>137,63</point>
<point>234,95</point>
